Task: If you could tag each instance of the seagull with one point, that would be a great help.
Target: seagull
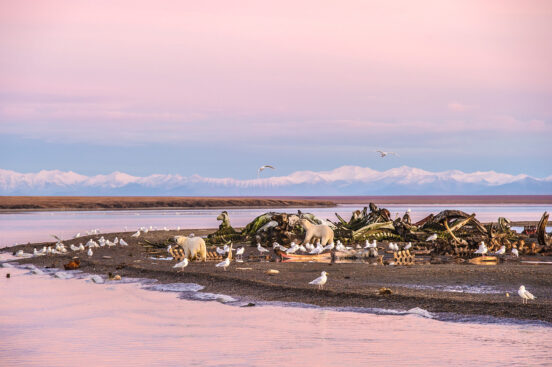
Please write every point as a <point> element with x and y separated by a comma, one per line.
<point>90,253</point>
<point>321,280</point>
<point>515,252</point>
<point>330,247</point>
<point>74,248</point>
<point>81,247</point>
<point>501,251</point>
<point>224,264</point>
<point>293,249</point>
<point>37,253</point>
<point>524,294</point>
<point>433,237</point>
<point>240,251</point>
<point>262,168</point>
<point>482,250</point>
<point>220,251</point>
<point>182,264</point>
<point>407,247</point>
<point>137,234</point>
<point>261,248</point>
<point>77,235</point>
<point>383,154</point>
<point>123,242</point>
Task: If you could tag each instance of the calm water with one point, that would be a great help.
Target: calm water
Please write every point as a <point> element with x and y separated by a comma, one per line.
<point>37,226</point>
<point>46,321</point>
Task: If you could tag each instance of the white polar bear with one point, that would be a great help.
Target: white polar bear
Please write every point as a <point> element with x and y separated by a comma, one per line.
<point>194,247</point>
<point>321,231</point>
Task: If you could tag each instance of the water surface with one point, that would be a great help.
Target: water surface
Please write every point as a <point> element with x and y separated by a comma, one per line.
<point>53,322</point>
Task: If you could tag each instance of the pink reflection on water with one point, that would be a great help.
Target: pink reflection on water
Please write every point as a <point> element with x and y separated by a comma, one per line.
<point>46,321</point>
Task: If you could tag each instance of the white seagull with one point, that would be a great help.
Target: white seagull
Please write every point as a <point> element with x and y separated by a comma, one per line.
<point>262,168</point>
<point>261,248</point>
<point>433,237</point>
<point>123,242</point>
<point>525,294</point>
<point>224,264</point>
<point>383,154</point>
<point>240,251</point>
<point>515,252</point>
<point>90,253</point>
<point>321,280</point>
<point>501,251</point>
<point>408,246</point>
<point>182,264</point>
<point>482,250</point>
<point>137,234</point>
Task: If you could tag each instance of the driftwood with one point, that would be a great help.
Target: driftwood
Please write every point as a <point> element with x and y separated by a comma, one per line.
<point>543,238</point>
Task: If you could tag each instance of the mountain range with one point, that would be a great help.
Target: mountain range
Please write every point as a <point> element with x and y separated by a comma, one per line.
<point>345,180</point>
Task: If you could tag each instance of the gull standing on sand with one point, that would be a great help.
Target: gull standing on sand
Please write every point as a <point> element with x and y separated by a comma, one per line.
<point>224,264</point>
<point>90,253</point>
<point>262,168</point>
<point>524,294</point>
<point>261,248</point>
<point>321,280</point>
<point>239,252</point>
<point>181,264</point>
<point>482,250</point>
<point>501,251</point>
<point>123,242</point>
<point>137,234</point>
<point>515,252</point>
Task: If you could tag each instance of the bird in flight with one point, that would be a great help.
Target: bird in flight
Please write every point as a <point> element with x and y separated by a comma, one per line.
<point>383,154</point>
<point>262,168</point>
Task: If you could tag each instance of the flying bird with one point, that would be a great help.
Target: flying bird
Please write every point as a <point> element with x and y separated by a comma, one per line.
<point>262,168</point>
<point>383,154</point>
<point>525,294</point>
<point>321,280</point>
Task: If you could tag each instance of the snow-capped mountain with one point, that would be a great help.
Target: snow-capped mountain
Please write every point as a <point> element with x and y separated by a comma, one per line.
<point>345,180</point>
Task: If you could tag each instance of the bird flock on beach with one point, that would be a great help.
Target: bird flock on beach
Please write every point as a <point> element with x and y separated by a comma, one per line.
<point>312,249</point>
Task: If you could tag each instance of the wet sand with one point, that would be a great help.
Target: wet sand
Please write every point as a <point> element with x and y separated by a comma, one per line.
<point>349,284</point>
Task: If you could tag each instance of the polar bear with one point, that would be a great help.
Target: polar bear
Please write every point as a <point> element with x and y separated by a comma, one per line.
<point>321,231</point>
<point>194,247</point>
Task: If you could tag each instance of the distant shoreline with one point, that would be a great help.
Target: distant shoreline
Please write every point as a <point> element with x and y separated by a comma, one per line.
<point>79,203</point>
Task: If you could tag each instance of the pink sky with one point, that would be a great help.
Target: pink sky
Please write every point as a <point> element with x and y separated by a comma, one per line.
<point>174,70</point>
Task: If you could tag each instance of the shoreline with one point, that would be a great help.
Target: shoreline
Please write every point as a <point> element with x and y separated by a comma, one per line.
<point>433,287</point>
<point>18,204</point>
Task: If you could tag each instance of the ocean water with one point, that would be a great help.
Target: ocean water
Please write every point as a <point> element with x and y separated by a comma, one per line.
<point>23,227</point>
<point>47,321</point>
